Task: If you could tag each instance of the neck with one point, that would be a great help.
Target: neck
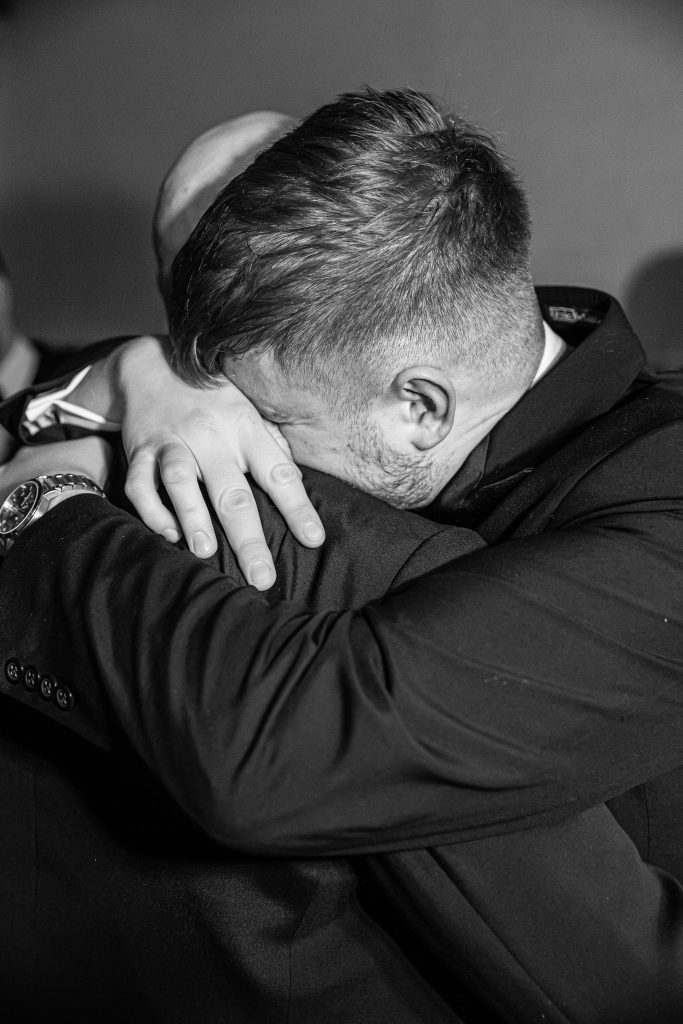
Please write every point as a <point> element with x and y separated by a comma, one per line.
<point>470,429</point>
<point>476,417</point>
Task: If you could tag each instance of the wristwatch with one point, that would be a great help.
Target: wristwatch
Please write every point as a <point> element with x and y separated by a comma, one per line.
<point>32,499</point>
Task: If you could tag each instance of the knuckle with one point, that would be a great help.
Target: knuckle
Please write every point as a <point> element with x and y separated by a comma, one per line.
<point>253,549</point>
<point>305,511</point>
<point>284,473</point>
<point>134,488</point>
<point>191,512</point>
<point>169,449</point>
<point>201,423</point>
<point>236,499</point>
<point>247,418</point>
<point>143,449</point>
<point>176,472</point>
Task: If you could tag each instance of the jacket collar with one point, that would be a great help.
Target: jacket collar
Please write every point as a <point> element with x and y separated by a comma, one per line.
<point>604,359</point>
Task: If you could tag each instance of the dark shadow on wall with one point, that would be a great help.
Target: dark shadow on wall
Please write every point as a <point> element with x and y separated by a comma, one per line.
<point>82,266</point>
<point>654,303</point>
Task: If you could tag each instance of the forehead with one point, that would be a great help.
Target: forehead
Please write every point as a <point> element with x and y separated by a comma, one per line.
<point>262,380</point>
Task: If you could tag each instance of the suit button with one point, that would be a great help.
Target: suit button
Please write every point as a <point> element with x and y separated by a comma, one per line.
<point>30,678</point>
<point>64,698</point>
<point>13,670</point>
<point>48,687</point>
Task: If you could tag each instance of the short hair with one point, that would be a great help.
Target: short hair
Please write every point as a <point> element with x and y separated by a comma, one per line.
<point>381,228</point>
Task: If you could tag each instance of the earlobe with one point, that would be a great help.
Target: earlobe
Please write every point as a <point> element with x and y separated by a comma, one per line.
<point>431,396</point>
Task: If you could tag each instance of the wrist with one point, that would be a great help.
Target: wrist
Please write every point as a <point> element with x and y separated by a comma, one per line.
<point>82,484</point>
<point>89,457</point>
<point>7,489</point>
<point>101,390</point>
<point>136,372</point>
<point>34,498</point>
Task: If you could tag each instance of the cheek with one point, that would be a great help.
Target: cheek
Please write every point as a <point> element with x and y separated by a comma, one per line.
<point>300,441</point>
<point>309,448</point>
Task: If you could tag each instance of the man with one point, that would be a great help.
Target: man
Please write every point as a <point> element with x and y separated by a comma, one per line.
<point>132,910</point>
<point>337,732</point>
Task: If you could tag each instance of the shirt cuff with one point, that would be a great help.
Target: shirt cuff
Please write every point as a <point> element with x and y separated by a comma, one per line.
<point>52,409</point>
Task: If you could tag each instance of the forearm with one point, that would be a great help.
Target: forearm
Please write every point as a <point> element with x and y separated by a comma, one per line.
<point>283,731</point>
<point>97,392</point>
<point>100,390</point>
<point>116,366</point>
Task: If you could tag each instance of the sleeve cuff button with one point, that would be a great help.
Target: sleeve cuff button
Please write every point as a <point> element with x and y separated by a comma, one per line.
<point>30,678</point>
<point>64,698</point>
<point>48,687</point>
<point>13,670</point>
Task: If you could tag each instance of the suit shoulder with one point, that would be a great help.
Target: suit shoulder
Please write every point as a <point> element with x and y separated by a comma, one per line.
<point>638,461</point>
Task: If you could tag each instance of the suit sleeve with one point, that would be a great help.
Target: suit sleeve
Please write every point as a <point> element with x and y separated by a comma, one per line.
<point>513,686</point>
<point>556,923</point>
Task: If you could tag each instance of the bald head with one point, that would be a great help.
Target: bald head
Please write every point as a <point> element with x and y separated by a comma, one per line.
<point>201,171</point>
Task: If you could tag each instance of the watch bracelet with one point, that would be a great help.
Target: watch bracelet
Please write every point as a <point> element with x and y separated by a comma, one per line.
<point>69,482</point>
<point>49,484</point>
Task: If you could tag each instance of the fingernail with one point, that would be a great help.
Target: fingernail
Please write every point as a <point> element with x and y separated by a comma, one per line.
<point>172,536</point>
<point>201,544</point>
<point>314,532</point>
<point>261,574</point>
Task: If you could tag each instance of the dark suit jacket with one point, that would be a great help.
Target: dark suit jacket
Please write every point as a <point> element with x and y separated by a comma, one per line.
<point>551,684</point>
<point>114,905</point>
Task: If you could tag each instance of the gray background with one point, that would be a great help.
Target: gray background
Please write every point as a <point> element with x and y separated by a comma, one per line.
<point>98,96</point>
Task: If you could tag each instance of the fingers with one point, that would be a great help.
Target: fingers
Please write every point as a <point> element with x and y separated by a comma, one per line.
<point>280,478</point>
<point>234,502</point>
<point>178,471</point>
<point>141,491</point>
<point>218,440</point>
<point>279,437</point>
<point>230,495</point>
<point>284,485</point>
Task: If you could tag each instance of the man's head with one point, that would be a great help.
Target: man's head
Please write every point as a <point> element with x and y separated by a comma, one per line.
<point>366,283</point>
<point>200,172</point>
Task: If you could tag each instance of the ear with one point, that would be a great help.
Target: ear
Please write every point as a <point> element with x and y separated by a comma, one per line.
<point>429,395</point>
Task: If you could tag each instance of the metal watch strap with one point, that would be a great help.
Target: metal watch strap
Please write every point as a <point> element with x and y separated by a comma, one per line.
<point>51,486</point>
<point>58,482</point>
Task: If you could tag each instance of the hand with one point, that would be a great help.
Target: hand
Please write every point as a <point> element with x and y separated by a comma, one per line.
<point>90,456</point>
<point>183,434</point>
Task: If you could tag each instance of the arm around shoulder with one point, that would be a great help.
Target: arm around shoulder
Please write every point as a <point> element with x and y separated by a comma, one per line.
<point>447,710</point>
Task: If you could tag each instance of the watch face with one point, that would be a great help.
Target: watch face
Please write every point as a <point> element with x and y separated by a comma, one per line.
<point>18,506</point>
